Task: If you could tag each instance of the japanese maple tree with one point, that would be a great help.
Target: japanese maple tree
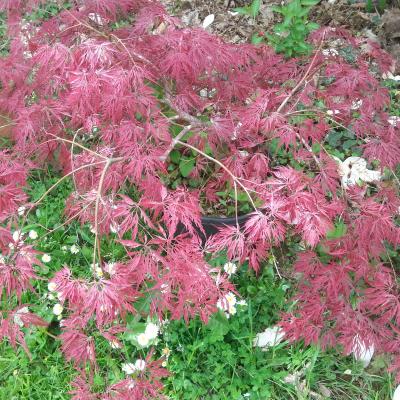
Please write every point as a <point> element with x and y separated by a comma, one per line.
<point>107,90</point>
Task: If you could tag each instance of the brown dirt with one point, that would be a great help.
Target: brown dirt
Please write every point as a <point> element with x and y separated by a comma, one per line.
<point>350,14</point>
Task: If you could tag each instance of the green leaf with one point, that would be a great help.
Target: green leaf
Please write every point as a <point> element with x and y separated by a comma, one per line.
<point>175,156</point>
<point>312,26</point>
<point>242,10</point>
<point>338,231</point>
<point>186,166</point>
<point>256,39</point>
<point>309,2</point>
<point>255,8</point>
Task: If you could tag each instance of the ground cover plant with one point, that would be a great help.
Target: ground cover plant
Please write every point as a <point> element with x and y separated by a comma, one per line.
<point>155,125</point>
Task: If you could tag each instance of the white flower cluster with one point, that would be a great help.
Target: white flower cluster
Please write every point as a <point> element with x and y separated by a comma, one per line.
<point>132,368</point>
<point>150,333</point>
<point>394,120</point>
<point>330,52</point>
<point>228,304</point>
<point>354,169</point>
<point>58,307</point>
<point>270,337</point>
<point>230,268</point>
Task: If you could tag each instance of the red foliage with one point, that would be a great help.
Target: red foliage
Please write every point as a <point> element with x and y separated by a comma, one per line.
<point>100,101</point>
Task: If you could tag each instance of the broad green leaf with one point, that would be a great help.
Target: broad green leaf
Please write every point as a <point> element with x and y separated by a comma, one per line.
<point>175,156</point>
<point>186,166</point>
<point>338,231</point>
<point>255,8</point>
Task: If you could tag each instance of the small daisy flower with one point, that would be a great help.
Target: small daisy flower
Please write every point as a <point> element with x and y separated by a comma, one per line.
<point>74,249</point>
<point>166,352</point>
<point>393,120</point>
<point>21,210</point>
<point>143,340</point>
<point>17,236</point>
<point>50,296</point>
<point>110,268</point>
<point>99,272</point>
<point>128,368</point>
<point>140,365</point>
<point>230,268</point>
<point>52,286</point>
<point>333,112</point>
<point>114,344</point>
<point>46,258</point>
<point>58,309</point>
<point>33,234</point>
<point>151,331</point>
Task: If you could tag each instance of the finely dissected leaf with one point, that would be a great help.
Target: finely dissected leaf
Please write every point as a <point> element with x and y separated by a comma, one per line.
<point>98,93</point>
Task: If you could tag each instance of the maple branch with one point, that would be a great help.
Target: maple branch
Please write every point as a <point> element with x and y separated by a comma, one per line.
<point>296,88</point>
<point>79,145</point>
<point>96,215</point>
<point>66,222</point>
<point>175,141</point>
<point>37,202</point>
<point>235,178</point>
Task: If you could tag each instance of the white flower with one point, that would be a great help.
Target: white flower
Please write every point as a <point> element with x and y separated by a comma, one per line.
<point>389,75</point>
<point>270,337</point>
<point>58,309</point>
<point>151,331</point>
<point>96,18</point>
<point>227,303</point>
<point>52,286</point>
<point>354,169</point>
<point>140,365</point>
<point>347,372</point>
<point>143,340</point>
<point>356,104</point>
<point>166,352</point>
<point>208,21</point>
<point>242,303</point>
<point>110,268</point>
<point>99,272</point>
<point>114,228</point>
<point>17,236</point>
<point>333,112</point>
<point>230,268</point>
<point>33,234</point>
<point>114,344</point>
<point>393,120</point>
<point>330,52</point>
<point>74,249</point>
<point>46,258</point>
<point>17,318</point>
<point>50,296</point>
<point>396,394</point>
<point>362,352</point>
<point>21,210</point>
<point>128,368</point>
<point>64,248</point>
<point>2,259</point>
